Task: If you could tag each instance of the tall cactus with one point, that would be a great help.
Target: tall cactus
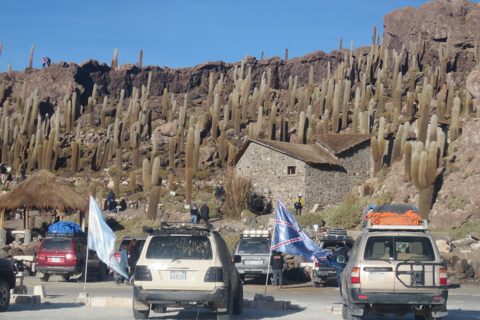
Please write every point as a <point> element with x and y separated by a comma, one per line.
<point>455,125</point>
<point>424,174</point>
<point>377,148</point>
<point>155,191</point>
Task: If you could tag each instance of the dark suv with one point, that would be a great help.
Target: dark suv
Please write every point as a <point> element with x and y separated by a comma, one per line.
<point>7,282</point>
<point>64,255</point>
<point>321,272</point>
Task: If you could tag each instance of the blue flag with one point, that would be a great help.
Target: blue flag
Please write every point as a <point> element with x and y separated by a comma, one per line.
<point>101,238</point>
<point>288,237</point>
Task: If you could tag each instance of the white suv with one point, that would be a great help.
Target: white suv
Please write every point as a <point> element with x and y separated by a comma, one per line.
<point>394,269</point>
<point>188,267</point>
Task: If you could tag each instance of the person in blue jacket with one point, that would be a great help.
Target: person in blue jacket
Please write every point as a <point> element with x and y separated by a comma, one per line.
<point>123,263</point>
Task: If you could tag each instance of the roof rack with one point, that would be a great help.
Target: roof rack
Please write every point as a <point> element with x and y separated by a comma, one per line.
<point>178,226</point>
<point>65,234</point>
<point>367,225</point>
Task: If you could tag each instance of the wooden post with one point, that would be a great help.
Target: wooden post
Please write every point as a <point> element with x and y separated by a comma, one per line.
<point>26,219</point>
<point>82,220</point>
<point>2,219</point>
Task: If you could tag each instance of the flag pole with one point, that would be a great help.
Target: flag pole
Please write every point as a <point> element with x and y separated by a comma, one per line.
<point>270,256</point>
<point>86,258</point>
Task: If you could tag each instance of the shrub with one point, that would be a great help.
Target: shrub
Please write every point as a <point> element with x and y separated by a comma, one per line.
<point>347,215</point>
<point>460,233</point>
<point>384,198</point>
<point>455,202</point>
<point>231,240</point>
<point>309,219</point>
<point>238,189</point>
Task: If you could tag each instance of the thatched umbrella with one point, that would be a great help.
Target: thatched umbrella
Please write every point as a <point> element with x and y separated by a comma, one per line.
<point>42,191</point>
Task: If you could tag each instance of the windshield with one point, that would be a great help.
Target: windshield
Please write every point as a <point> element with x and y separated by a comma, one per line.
<point>180,247</point>
<point>399,248</point>
<point>57,245</point>
<point>254,246</point>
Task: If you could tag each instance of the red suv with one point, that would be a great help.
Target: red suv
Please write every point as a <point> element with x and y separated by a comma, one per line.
<point>64,255</point>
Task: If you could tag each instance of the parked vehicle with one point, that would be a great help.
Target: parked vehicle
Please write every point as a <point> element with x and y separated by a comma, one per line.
<point>321,272</point>
<point>252,252</point>
<point>395,269</point>
<point>64,255</point>
<point>196,272</point>
<point>7,282</point>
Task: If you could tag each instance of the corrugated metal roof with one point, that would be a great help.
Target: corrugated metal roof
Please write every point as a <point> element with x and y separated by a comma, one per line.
<point>337,143</point>
<point>309,153</point>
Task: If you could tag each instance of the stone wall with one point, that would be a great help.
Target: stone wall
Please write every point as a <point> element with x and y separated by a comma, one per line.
<point>270,180</point>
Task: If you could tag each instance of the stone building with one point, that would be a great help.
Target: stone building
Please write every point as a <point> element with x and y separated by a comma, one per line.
<point>323,172</point>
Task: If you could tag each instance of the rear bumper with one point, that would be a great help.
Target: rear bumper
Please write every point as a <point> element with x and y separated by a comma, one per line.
<point>438,298</point>
<point>325,272</point>
<point>181,298</point>
<point>59,270</point>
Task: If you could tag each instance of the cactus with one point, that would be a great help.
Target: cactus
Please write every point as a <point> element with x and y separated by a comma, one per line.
<point>146,175</point>
<point>424,113</point>
<point>455,125</point>
<point>171,152</point>
<point>408,162</point>
<point>301,129</point>
<point>424,173</point>
<point>171,180</point>
<point>196,147</point>
<point>155,191</point>
<point>377,148</point>
<point>30,63</point>
<point>397,145</point>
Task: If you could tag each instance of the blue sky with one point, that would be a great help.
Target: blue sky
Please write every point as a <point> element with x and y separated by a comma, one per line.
<point>183,33</point>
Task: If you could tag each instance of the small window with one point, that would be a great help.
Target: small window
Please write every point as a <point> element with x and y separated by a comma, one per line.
<point>291,170</point>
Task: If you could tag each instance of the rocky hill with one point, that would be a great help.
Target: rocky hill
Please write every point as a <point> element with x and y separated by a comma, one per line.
<point>117,117</point>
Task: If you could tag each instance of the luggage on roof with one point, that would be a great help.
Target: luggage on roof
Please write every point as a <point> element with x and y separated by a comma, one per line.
<point>64,227</point>
<point>393,215</point>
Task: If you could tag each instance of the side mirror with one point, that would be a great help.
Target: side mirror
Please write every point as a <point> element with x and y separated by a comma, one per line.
<point>237,259</point>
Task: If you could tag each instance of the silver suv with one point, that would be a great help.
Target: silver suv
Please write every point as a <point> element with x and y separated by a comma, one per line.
<point>394,269</point>
<point>186,266</point>
<point>252,252</point>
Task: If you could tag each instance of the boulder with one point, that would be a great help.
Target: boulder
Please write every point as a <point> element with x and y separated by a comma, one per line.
<point>475,235</point>
<point>443,246</point>
<point>464,242</point>
<point>475,246</point>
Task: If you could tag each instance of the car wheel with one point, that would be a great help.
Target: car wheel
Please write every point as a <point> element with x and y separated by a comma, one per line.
<point>45,277</point>
<point>102,273</point>
<point>66,278</point>
<point>4,295</point>
<point>238,302</point>
<point>227,315</point>
<point>140,314</point>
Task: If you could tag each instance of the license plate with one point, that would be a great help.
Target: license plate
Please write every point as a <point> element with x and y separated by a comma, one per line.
<point>376,276</point>
<point>255,262</point>
<point>178,275</point>
<point>55,259</point>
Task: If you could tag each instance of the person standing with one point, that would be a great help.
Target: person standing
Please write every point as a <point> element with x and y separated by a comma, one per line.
<point>111,199</point>
<point>205,212</point>
<point>133,255</point>
<point>340,256</point>
<point>277,261</point>
<point>123,263</point>
<point>299,203</point>
<point>194,214</point>
<point>48,61</point>
<point>44,61</point>
<point>3,172</point>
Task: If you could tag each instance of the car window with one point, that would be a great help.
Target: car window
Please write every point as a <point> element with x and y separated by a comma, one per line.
<point>57,245</point>
<point>254,246</point>
<point>399,248</point>
<point>179,247</point>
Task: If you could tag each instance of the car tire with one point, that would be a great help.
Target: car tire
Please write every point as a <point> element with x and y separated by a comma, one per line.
<point>45,277</point>
<point>140,314</point>
<point>238,301</point>
<point>66,278</point>
<point>315,284</point>
<point>102,273</point>
<point>4,295</point>
<point>227,315</point>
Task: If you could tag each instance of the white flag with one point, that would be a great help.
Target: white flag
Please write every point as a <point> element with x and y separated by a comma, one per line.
<point>101,238</point>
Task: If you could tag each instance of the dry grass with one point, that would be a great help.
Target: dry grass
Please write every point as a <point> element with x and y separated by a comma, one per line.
<point>238,189</point>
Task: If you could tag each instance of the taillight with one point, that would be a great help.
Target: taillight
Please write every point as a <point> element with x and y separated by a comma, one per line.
<point>443,276</point>
<point>317,264</point>
<point>214,274</point>
<point>117,255</point>
<point>71,256</point>
<point>142,273</point>
<point>355,275</point>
